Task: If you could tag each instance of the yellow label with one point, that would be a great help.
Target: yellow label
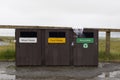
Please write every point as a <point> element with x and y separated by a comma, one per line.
<point>56,40</point>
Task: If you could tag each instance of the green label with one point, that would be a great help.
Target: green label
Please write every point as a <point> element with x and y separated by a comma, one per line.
<point>85,45</point>
<point>85,40</point>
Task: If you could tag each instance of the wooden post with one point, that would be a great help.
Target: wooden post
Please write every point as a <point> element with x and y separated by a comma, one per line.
<point>107,42</point>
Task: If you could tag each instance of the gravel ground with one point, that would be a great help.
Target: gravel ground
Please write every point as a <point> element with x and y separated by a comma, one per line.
<point>105,71</point>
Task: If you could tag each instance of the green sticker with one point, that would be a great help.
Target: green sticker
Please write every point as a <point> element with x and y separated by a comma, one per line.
<point>85,45</point>
<point>85,40</point>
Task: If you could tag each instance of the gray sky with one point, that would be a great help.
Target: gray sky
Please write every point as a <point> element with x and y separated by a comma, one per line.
<point>69,13</point>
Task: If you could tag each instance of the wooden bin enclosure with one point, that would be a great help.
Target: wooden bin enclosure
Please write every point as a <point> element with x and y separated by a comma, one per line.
<point>28,47</point>
<point>43,47</point>
<point>86,48</point>
<point>57,47</point>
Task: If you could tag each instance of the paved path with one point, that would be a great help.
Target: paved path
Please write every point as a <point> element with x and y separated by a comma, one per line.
<point>105,71</point>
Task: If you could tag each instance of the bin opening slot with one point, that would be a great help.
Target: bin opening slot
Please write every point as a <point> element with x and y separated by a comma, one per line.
<point>57,34</point>
<point>28,34</point>
<point>57,37</point>
<point>87,37</point>
<point>88,34</point>
<point>28,37</point>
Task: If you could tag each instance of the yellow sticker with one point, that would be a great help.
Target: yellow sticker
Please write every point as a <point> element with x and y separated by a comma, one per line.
<point>56,40</point>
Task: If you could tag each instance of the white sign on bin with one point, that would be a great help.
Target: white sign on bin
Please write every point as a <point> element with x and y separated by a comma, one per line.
<point>27,40</point>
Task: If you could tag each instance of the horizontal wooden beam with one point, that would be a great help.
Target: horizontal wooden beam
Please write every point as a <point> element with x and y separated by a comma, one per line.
<point>111,30</point>
<point>54,27</point>
<point>35,27</point>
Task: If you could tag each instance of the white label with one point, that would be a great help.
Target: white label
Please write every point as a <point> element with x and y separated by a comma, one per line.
<point>28,40</point>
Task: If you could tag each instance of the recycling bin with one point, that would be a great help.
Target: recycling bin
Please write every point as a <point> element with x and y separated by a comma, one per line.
<point>85,50</point>
<point>58,46</point>
<point>28,47</point>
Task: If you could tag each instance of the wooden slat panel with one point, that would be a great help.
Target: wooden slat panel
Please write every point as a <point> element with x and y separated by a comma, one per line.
<point>28,53</point>
<point>87,56</point>
<point>57,54</point>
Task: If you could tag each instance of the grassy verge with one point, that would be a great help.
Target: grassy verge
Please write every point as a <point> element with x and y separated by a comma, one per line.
<point>110,57</point>
<point>114,50</point>
<point>7,52</point>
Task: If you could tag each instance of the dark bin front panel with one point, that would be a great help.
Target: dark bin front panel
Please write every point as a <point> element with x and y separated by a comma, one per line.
<point>28,47</point>
<point>87,55</point>
<point>57,47</point>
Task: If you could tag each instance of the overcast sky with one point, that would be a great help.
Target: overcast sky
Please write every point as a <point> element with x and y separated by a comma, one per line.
<point>69,13</point>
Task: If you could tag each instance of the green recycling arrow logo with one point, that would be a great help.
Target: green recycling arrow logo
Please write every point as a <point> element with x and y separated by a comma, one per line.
<point>85,45</point>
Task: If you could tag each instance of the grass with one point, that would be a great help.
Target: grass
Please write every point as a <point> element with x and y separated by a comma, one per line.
<point>7,52</point>
<point>7,55</point>
<point>114,50</point>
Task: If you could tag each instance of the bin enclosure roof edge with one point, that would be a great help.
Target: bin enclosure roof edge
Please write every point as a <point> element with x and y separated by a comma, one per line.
<point>52,27</point>
<point>36,27</point>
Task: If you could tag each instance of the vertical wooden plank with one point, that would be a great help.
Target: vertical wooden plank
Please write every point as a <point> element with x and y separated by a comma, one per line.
<point>107,42</point>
